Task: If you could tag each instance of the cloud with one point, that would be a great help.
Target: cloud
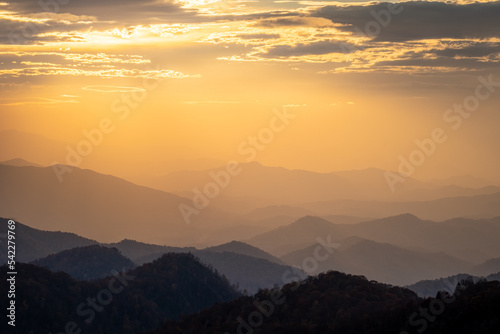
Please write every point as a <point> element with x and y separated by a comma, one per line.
<point>469,49</point>
<point>293,21</point>
<point>19,30</point>
<point>113,89</point>
<point>27,21</point>
<point>38,101</point>
<point>316,48</point>
<point>123,11</point>
<point>71,58</point>
<point>258,36</point>
<point>98,73</point>
<point>418,20</point>
<point>27,64</point>
<point>425,36</point>
<point>439,62</point>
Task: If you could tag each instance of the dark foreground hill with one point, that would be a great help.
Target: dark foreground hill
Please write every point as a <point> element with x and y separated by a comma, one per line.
<point>88,262</point>
<point>248,273</point>
<point>344,304</point>
<point>139,300</point>
<point>245,266</point>
<point>473,310</point>
<point>329,303</point>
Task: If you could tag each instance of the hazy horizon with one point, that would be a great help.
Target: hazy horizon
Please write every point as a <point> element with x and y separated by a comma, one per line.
<point>198,80</point>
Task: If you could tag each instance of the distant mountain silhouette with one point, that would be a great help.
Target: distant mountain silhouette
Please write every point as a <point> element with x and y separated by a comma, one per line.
<point>467,181</point>
<point>84,263</point>
<point>486,268</point>
<point>140,300</point>
<point>139,251</point>
<point>493,277</point>
<point>98,206</point>
<point>482,206</point>
<point>469,239</point>
<point>32,243</point>
<point>381,262</point>
<point>284,186</point>
<point>33,147</point>
<point>246,272</point>
<point>237,229</point>
<point>300,234</point>
<point>276,211</point>
<point>18,162</point>
<point>343,219</point>
<point>430,288</point>
<point>472,240</point>
<point>248,267</point>
<point>238,247</point>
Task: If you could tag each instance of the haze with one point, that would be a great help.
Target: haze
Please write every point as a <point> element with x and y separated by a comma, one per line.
<point>361,97</point>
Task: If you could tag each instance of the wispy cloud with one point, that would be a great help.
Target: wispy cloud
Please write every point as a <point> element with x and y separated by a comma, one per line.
<point>113,89</point>
<point>38,101</point>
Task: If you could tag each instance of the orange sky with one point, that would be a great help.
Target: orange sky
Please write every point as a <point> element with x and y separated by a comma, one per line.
<point>190,80</point>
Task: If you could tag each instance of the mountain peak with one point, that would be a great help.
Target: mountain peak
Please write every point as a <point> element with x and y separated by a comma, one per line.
<point>19,162</point>
<point>407,216</point>
<point>401,220</point>
<point>242,248</point>
<point>306,220</point>
<point>86,262</point>
<point>404,217</point>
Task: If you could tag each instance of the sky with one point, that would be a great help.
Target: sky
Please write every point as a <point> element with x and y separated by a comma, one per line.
<point>316,85</point>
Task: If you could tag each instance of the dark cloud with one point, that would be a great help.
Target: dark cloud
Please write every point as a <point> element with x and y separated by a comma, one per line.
<point>316,48</point>
<point>475,50</point>
<point>127,12</point>
<point>102,14</point>
<point>283,22</point>
<point>290,21</point>
<point>122,11</point>
<point>419,61</point>
<point>17,32</point>
<point>418,20</point>
<point>97,13</point>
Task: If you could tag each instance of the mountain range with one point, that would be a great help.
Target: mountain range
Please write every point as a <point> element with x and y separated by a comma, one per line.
<point>97,206</point>
<point>381,262</point>
<point>85,263</point>
<point>284,186</point>
<point>109,209</point>
<point>34,243</point>
<point>245,266</point>
<point>252,268</point>
<point>471,240</point>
